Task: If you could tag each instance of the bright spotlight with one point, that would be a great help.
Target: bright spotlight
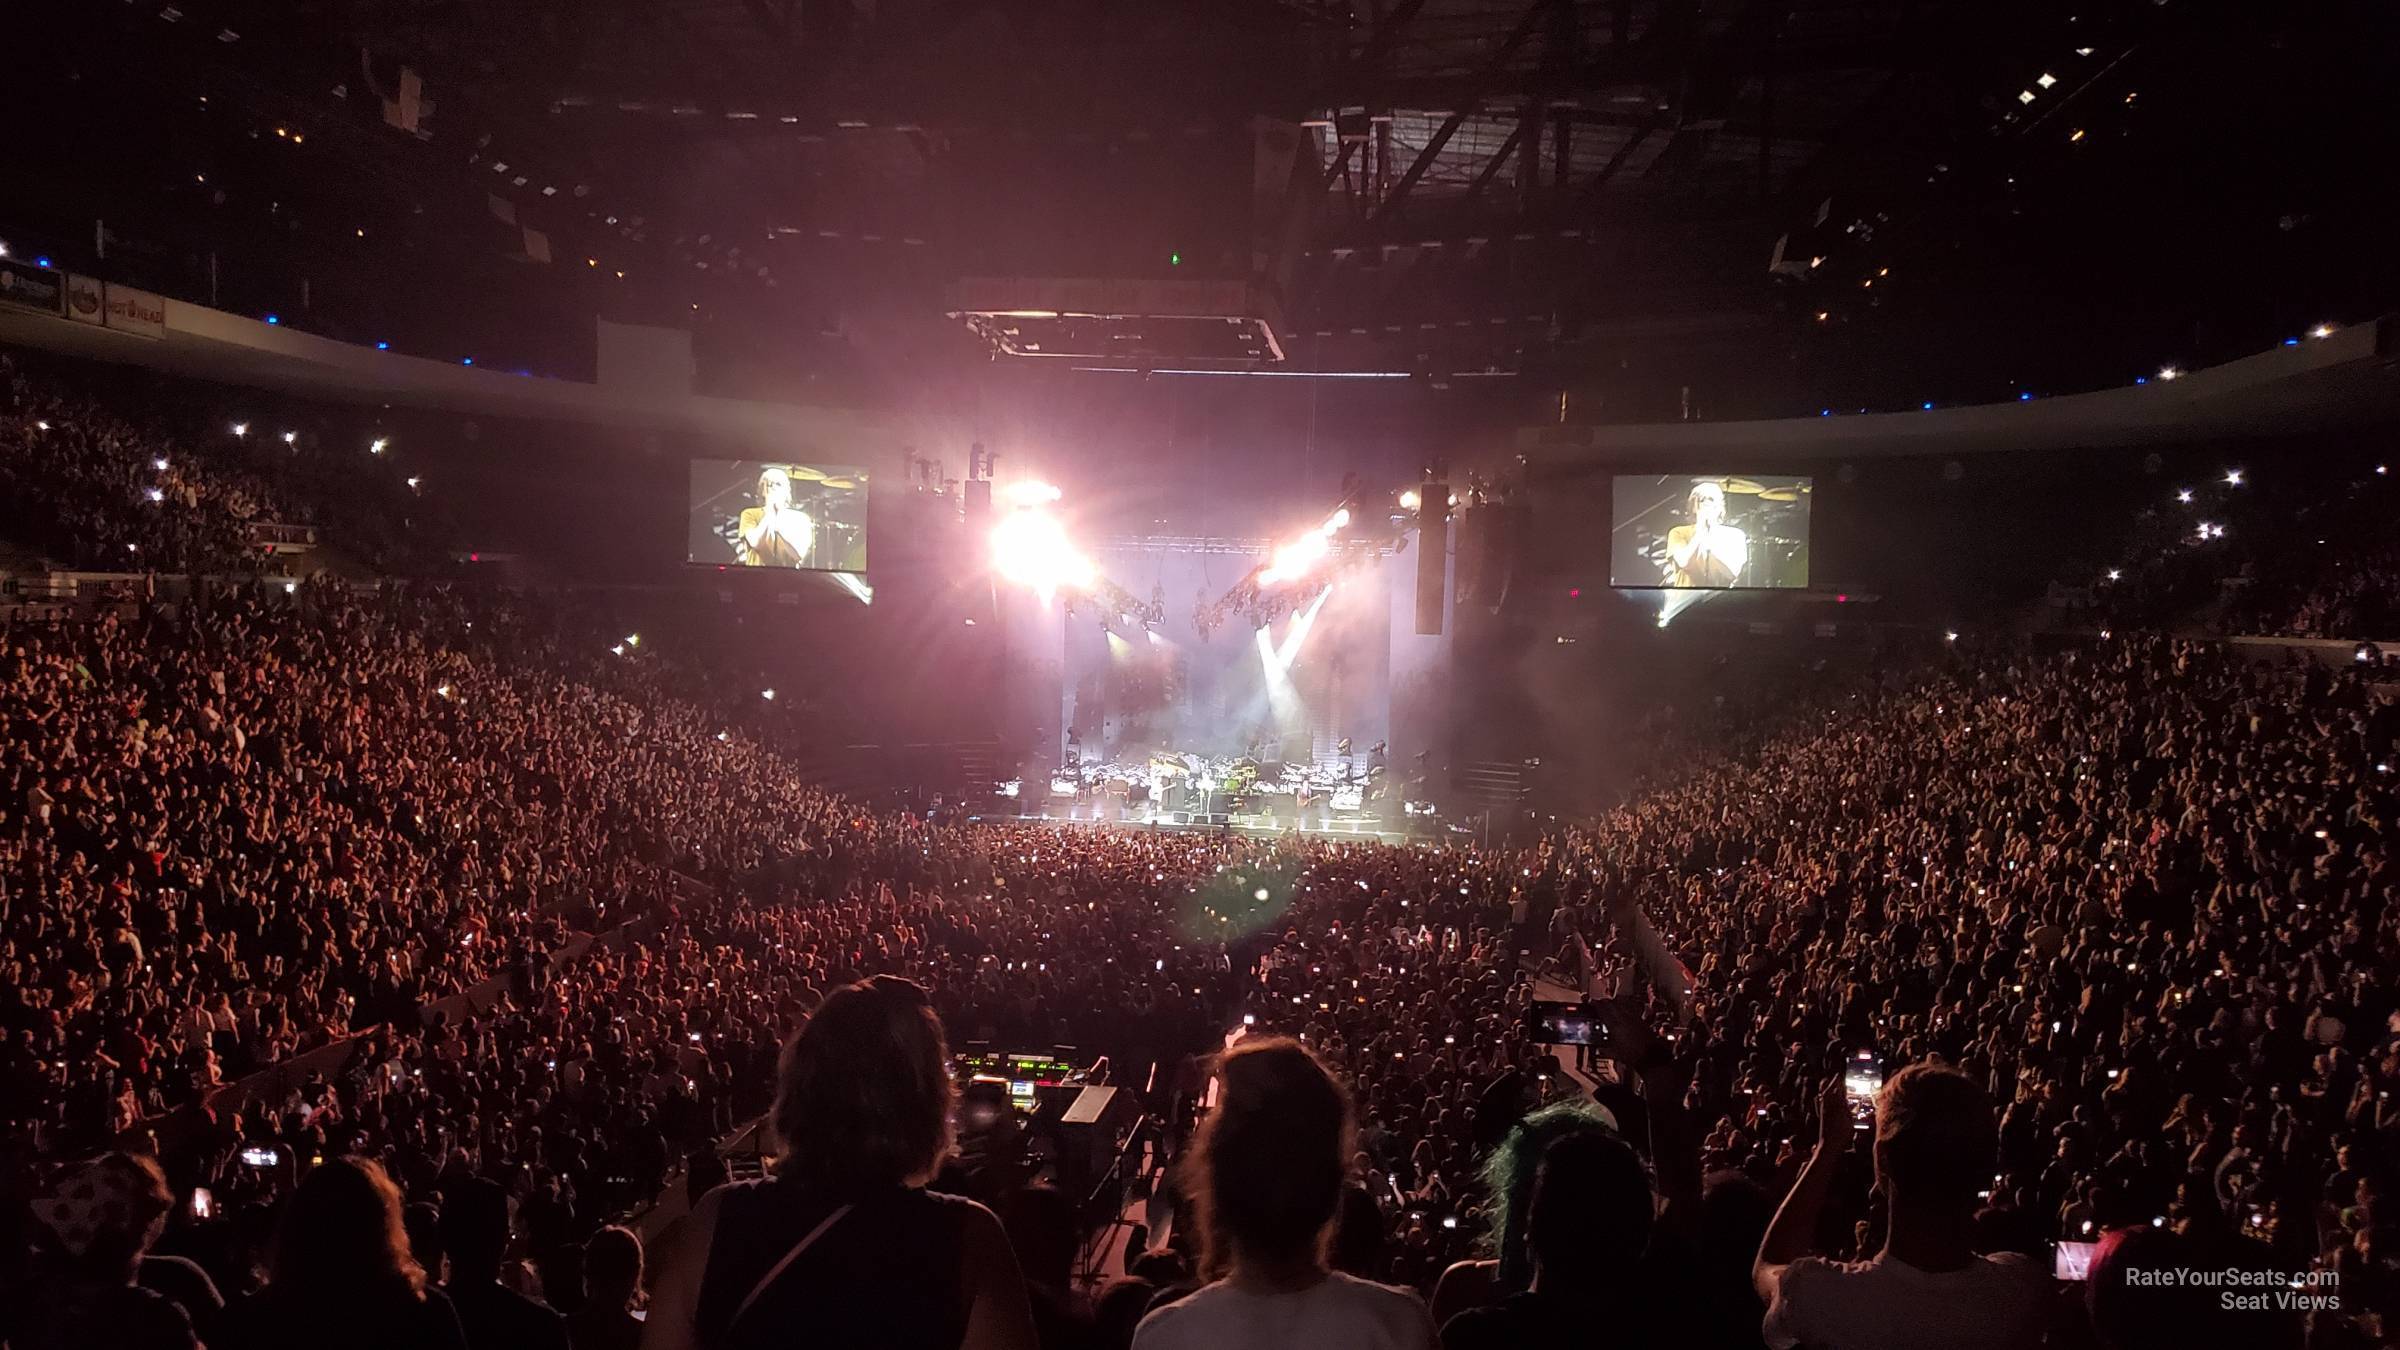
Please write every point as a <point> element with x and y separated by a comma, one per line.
<point>2323,330</point>
<point>375,447</point>
<point>1031,549</point>
<point>1030,493</point>
<point>159,464</point>
<point>241,429</point>
<point>767,694</point>
<point>290,436</point>
<point>1341,519</point>
<point>1294,560</point>
<point>2233,478</point>
<point>1411,499</point>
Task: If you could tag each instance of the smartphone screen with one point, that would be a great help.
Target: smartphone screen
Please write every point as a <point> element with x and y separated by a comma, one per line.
<point>2074,1260</point>
<point>204,1203</point>
<point>1566,1024</point>
<point>1862,1078</point>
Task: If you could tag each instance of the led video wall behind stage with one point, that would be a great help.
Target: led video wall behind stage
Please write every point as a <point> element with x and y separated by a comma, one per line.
<point>1715,532</point>
<point>774,513</point>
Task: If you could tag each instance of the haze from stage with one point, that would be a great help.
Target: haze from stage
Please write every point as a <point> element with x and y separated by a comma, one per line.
<point>779,514</point>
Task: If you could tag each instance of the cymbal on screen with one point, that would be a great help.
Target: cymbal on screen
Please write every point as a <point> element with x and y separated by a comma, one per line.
<point>1746,486</point>
<point>804,473</point>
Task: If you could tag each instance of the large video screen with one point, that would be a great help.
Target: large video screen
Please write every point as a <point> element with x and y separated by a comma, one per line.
<point>1709,532</point>
<point>772,513</point>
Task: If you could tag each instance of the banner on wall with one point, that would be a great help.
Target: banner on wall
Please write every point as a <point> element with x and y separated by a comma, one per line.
<point>84,299</point>
<point>25,286</point>
<point>140,313</point>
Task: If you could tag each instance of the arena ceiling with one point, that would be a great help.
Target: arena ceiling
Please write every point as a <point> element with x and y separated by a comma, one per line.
<point>1476,186</point>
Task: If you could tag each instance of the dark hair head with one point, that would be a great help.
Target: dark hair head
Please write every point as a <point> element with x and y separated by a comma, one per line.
<point>1592,1207</point>
<point>612,1262</point>
<point>1509,1173</point>
<point>341,1235</point>
<point>864,1096</point>
<point>1040,1222</point>
<point>1935,1137</point>
<point>475,1225</point>
<point>1267,1166</point>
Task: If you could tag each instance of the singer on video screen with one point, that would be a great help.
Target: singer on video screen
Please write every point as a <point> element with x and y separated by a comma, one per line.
<point>775,533</point>
<point>1707,551</point>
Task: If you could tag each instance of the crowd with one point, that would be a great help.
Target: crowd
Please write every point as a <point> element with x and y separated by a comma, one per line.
<point>94,476</point>
<point>372,962</point>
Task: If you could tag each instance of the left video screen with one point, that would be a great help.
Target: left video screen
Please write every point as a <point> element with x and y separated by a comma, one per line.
<point>778,513</point>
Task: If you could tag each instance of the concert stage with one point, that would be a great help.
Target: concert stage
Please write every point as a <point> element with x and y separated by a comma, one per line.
<point>1247,826</point>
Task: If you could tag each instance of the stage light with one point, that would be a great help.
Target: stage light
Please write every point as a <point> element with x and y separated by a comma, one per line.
<point>274,321</point>
<point>153,494</point>
<point>2169,373</point>
<point>617,650</point>
<point>375,447</point>
<point>633,639</point>
<point>2382,469</point>
<point>1294,560</point>
<point>241,429</point>
<point>1030,493</point>
<point>290,587</point>
<point>1341,519</point>
<point>2233,478</point>
<point>2184,495</point>
<point>412,484</point>
<point>2046,80</point>
<point>466,360</point>
<point>290,437</point>
<point>1031,548</point>
<point>767,694</point>
<point>43,261</point>
<point>2112,574</point>
<point>383,346</point>
<point>1410,500</point>
<point>1949,635</point>
<point>159,464</point>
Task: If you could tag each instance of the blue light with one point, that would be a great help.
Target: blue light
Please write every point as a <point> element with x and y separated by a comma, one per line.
<point>2024,396</point>
<point>466,360</point>
<point>2141,379</point>
<point>1929,405</point>
<point>273,321</point>
<point>1824,412</point>
<point>43,261</point>
<point>2291,342</point>
<point>383,346</point>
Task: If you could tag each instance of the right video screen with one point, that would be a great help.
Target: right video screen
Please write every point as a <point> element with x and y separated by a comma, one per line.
<point>1716,532</point>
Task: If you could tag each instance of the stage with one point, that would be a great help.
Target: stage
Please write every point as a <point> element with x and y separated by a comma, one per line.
<point>1247,826</point>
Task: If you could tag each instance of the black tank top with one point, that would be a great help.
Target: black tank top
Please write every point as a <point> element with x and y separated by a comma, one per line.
<point>890,1274</point>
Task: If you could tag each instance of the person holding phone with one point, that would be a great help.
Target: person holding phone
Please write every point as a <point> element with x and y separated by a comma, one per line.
<point>1935,1140</point>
